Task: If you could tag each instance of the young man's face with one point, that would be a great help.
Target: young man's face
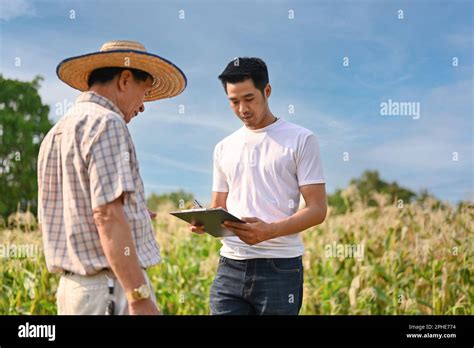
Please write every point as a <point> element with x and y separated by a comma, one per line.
<point>248,103</point>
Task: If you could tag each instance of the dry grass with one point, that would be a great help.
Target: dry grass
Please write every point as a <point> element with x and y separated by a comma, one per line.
<point>417,260</point>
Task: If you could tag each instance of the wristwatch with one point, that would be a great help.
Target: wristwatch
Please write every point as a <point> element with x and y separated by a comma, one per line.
<point>140,293</point>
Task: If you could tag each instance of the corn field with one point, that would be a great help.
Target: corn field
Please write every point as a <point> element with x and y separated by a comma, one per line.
<point>416,260</point>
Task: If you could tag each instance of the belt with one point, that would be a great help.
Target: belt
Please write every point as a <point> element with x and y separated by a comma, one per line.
<point>69,273</point>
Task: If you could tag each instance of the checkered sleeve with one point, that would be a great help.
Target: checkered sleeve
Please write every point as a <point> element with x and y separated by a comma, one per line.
<point>39,177</point>
<point>110,171</point>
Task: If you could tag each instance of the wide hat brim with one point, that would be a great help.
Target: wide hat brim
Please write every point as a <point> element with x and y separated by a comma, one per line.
<point>169,80</point>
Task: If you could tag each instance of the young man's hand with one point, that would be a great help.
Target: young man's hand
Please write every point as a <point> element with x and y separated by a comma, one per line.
<point>254,231</point>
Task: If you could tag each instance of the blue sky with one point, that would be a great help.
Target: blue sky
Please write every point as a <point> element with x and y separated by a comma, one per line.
<point>404,60</point>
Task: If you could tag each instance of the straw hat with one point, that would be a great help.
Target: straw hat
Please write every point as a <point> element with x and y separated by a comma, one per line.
<point>169,80</point>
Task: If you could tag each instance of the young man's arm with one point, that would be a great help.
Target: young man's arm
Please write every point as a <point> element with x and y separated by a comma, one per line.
<point>219,200</point>
<point>314,213</point>
<point>116,237</point>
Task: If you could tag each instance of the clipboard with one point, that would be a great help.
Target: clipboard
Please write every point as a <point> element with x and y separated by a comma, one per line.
<point>211,218</point>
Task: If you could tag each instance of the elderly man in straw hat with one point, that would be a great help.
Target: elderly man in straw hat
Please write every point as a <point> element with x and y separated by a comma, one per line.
<point>96,228</point>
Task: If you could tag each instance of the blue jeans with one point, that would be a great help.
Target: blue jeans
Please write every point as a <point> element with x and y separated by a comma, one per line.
<point>258,286</point>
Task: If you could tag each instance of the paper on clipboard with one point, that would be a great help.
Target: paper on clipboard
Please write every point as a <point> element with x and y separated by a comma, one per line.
<point>211,218</point>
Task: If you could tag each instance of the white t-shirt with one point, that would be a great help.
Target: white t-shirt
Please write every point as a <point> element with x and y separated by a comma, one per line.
<point>262,171</point>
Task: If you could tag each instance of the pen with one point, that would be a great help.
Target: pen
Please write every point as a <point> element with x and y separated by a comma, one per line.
<point>197,204</point>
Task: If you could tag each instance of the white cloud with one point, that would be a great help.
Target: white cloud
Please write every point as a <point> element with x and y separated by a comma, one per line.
<point>169,162</point>
<point>12,9</point>
<point>205,121</point>
<point>419,152</point>
<point>163,187</point>
<point>461,40</point>
<point>422,156</point>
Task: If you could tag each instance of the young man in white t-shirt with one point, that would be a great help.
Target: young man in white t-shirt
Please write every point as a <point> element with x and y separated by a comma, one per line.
<point>259,173</point>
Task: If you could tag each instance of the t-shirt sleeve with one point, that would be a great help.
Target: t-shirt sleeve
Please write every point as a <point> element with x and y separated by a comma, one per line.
<point>309,165</point>
<point>110,171</point>
<point>219,181</point>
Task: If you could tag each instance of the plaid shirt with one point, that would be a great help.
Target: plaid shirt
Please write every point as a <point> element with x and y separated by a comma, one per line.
<point>87,160</point>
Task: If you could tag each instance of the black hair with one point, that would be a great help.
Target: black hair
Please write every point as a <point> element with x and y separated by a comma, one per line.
<point>243,68</point>
<point>103,75</point>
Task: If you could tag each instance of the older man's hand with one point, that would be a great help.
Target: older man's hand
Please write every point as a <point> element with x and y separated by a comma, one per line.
<point>143,307</point>
<point>199,229</point>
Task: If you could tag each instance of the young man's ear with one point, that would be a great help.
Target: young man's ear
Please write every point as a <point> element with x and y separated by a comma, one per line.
<point>268,90</point>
